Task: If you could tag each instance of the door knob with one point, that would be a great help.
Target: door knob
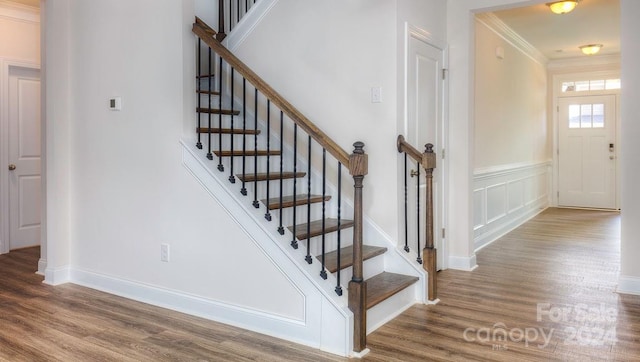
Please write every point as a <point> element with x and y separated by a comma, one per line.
<point>12,167</point>
<point>414,173</point>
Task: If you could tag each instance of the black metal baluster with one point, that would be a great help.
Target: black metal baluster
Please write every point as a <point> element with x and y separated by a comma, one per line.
<point>232,178</point>
<point>243,190</point>
<point>256,204</point>
<point>294,242</point>
<point>419,259</point>
<point>338,286</point>
<point>308,257</point>
<point>238,11</point>
<point>406,210</point>
<point>267,215</point>
<point>281,228</point>
<point>209,154</point>
<point>230,15</point>
<point>220,166</point>
<point>323,272</point>
<point>199,88</point>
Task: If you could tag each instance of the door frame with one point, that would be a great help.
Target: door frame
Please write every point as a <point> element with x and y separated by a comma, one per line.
<point>558,79</point>
<point>5,68</point>
<point>412,31</point>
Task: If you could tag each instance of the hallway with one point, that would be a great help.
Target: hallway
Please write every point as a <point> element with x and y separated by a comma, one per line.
<point>546,291</point>
<point>550,284</point>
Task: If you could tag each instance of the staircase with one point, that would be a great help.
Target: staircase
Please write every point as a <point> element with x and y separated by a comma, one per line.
<point>294,172</point>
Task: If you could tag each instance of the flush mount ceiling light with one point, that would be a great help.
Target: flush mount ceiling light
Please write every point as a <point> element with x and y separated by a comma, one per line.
<point>590,49</point>
<point>562,7</point>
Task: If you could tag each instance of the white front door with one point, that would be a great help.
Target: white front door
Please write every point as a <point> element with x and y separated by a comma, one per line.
<point>24,157</point>
<point>424,87</point>
<point>587,152</point>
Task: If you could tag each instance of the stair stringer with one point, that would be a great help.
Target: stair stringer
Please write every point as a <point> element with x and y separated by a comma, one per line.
<point>328,322</point>
<point>248,23</point>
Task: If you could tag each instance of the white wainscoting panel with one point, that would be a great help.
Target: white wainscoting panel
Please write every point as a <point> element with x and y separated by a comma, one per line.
<point>507,196</point>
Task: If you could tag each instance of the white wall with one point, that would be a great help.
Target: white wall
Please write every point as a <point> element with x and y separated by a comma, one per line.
<point>512,172</point>
<point>116,187</point>
<point>630,154</point>
<point>511,125</point>
<point>460,30</point>
<point>19,33</point>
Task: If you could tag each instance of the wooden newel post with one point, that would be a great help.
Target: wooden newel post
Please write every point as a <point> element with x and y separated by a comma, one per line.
<point>221,34</point>
<point>429,252</point>
<point>358,168</point>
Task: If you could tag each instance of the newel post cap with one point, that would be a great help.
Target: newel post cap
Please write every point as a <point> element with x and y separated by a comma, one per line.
<point>358,160</point>
<point>428,157</point>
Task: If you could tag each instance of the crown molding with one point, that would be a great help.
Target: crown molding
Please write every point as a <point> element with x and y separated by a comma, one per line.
<point>15,11</point>
<point>491,21</point>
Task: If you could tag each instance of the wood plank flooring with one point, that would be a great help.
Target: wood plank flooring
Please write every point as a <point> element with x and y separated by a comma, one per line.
<point>563,264</point>
<point>556,275</point>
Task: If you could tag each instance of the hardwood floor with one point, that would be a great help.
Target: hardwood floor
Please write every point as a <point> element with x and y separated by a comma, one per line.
<point>550,285</point>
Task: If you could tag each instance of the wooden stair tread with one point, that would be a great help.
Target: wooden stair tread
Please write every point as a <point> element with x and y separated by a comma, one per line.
<point>227,112</point>
<point>287,201</point>
<point>315,228</point>
<point>346,256</point>
<point>250,177</point>
<point>385,285</point>
<point>235,153</point>
<point>213,93</point>
<point>227,131</point>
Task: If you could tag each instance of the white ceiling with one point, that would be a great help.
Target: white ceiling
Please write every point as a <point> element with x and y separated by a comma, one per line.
<point>559,36</point>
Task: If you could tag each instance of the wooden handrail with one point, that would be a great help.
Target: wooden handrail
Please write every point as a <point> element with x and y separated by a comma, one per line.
<point>427,160</point>
<point>204,32</point>
<point>405,147</point>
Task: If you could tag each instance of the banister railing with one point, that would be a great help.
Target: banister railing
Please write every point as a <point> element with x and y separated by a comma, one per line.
<point>276,99</point>
<point>426,160</point>
<point>238,78</point>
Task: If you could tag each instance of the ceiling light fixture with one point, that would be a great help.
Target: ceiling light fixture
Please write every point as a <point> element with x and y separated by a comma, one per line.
<point>562,7</point>
<point>590,49</point>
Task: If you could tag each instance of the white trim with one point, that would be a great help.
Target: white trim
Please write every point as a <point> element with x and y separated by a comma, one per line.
<point>57,276</point>
<point>42,266</point>
<point>463,263</point>
<point>503,170</point>
<point>628,285</point>
<point>248,23</point>
<point>493,23</point>
<point>15,11</point>
<point>523,192</point>
<point>259,321</point>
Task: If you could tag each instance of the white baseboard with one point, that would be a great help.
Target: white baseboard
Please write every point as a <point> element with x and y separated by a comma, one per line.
<point>463,263</point>
<point>42,266</point>
<point>57,276</point>
<point>281,327</point>
<point>629,285</point>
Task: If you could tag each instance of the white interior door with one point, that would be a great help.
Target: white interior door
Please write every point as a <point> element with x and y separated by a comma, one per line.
<point>587,152</point>
<point>424,86</point>
<point>24,157</point>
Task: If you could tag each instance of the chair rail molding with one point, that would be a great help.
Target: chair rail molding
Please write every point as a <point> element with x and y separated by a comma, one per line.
<point>506,196</point>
